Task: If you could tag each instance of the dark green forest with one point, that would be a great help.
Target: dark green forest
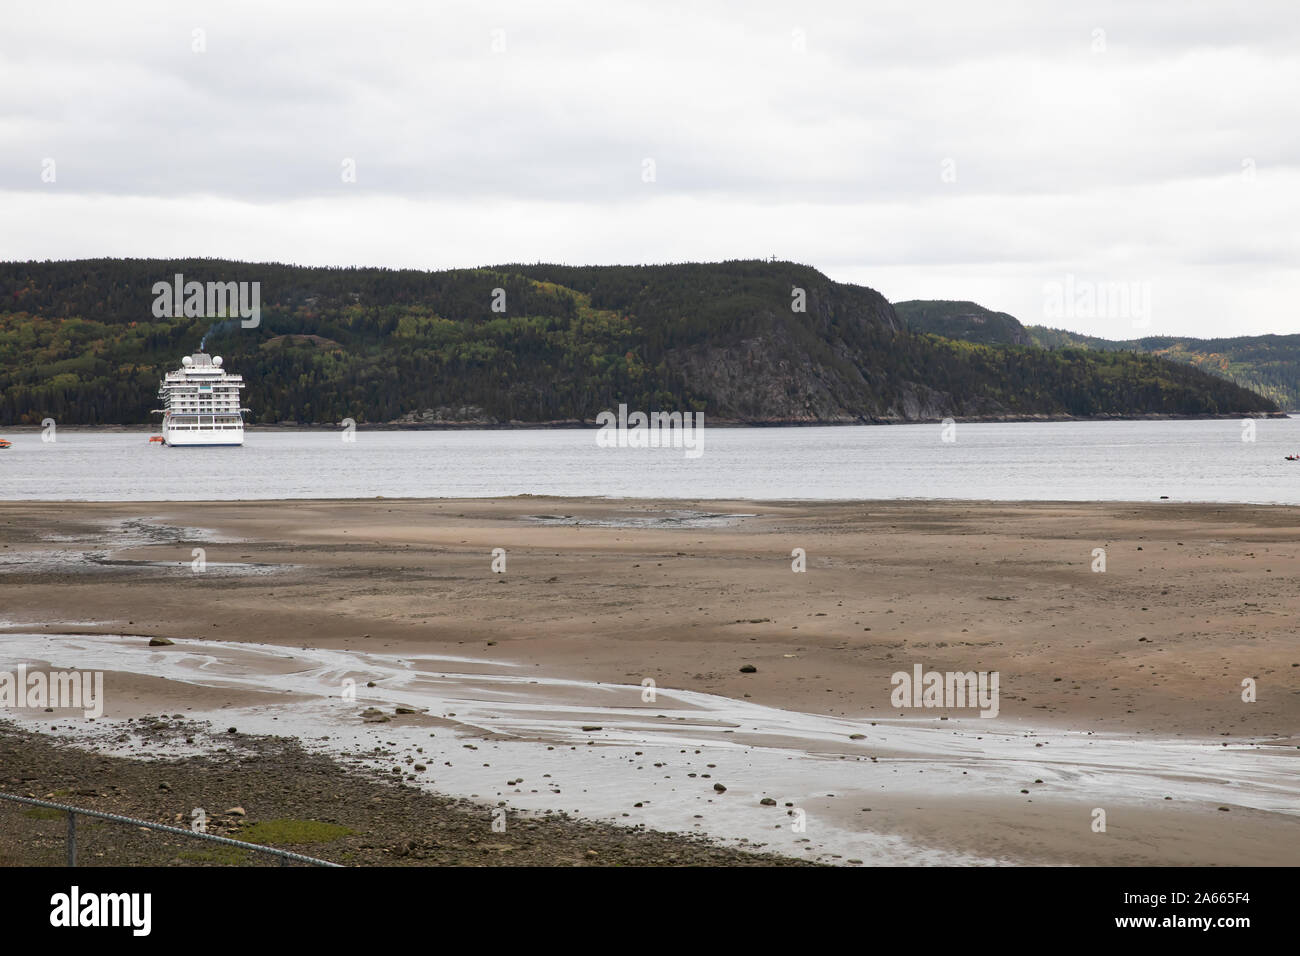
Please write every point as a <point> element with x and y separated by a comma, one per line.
<point>964,321</point>
<point>79,343</point>
<point>1267,364</point>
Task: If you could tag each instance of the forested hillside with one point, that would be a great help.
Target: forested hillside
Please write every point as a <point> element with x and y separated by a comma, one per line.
<point>79,342</point>
<point>964,321</point>
<point>1267,364</point>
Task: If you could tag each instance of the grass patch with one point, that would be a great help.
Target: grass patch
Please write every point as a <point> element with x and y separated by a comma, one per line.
<point>44,813</point>
<point>293,832</point>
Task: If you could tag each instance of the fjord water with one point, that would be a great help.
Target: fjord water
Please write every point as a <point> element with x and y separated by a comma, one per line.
<point>1044,461</point>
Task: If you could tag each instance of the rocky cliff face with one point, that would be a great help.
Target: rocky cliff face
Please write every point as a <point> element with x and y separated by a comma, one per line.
<point>769,379</point>
<point>766,379</point>
<point>820,366</point>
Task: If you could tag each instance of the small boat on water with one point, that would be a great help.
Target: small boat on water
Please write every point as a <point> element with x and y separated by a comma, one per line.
<point>4,443</point>
<point>1293,457</point>
<point>156,439</point>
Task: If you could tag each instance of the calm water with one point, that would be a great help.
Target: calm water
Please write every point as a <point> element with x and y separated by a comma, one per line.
<point>1057,461</point>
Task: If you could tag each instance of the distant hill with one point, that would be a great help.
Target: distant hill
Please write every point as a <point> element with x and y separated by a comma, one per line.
<point>1267,364</point>
<point>963,320</point>
<point>79,343</point>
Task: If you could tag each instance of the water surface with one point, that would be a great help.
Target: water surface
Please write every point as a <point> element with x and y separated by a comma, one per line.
<point>1047,461</point>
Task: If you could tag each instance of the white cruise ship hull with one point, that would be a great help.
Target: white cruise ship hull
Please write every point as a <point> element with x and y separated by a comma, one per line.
<point>202,435</point>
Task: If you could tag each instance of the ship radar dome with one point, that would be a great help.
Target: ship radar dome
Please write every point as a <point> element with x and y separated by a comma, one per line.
<point>217,361</point>
<point>187,361</point>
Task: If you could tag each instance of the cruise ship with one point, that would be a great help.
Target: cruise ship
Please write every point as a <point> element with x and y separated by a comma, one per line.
<point>201,403</point>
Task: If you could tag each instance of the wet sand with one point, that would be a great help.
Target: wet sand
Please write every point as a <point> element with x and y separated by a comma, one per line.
<point>244,783</point>
<point>1147,656</point>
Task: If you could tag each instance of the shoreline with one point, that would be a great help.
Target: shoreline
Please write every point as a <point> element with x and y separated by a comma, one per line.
<point>584,425</point>
<point>670,502</point>
<point>602,593</point>
<point>341,813</point>
<point>449,541</point>
<point>960,822</point>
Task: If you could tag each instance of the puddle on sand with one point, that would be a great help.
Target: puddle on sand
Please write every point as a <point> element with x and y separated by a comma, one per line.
<point>496,732</point>
<point>100,550</point>
<point>219,568</point>
<point>140,532</point>
<point>99,562</point>
<point>659,519</point>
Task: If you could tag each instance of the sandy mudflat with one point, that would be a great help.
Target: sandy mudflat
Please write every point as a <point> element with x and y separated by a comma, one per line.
<point>1149,654</point>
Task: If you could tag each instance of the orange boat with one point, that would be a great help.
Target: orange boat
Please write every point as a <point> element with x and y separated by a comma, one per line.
<point>4,443</point>
<point>156,438</point>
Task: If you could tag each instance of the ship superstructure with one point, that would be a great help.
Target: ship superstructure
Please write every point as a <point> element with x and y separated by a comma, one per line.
<point>201,403</point>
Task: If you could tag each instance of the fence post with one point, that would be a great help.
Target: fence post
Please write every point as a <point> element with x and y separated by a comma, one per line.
<point>72,838</point>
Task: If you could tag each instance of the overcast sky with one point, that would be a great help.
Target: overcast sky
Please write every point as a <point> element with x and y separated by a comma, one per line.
<point>929,150</point>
